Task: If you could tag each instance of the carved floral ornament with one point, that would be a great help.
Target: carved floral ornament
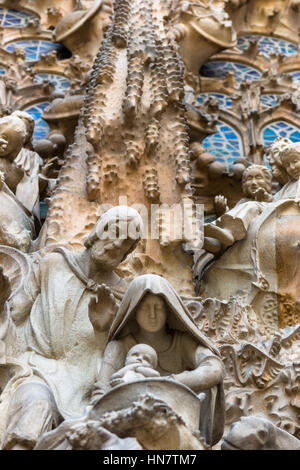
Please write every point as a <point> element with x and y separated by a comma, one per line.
<point>111,337</point>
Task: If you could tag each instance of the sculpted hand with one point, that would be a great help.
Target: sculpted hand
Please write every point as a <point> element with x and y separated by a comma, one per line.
<point>102,308</point>
<point>220,203</point>
<point>117,379</point>
<point>5,288</point>
<point>87,435</point>
<point>262,196</point>
<point>49,165</point>
<point>97,393</point>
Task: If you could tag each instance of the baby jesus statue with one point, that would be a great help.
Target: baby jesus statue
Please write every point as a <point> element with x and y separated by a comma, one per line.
<point>141,362</point>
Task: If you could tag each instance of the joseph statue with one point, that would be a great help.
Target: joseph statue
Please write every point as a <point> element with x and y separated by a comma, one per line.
<point>59,320</point>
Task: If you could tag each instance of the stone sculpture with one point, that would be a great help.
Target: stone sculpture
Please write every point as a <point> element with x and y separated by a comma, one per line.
<point>85,435</point>
<point>189,372</point>
<point>251,264</point>
<point>21,166</point>
<point>202,29</point>
<point>257,186</point>
<point>16,222</point>
<point>141,362</point>
<point>62,356</point>
<point>23,178</point>
<point>145,418</point>
<point>151,312</point>
<point>256,183</point>
<point>255,433</point>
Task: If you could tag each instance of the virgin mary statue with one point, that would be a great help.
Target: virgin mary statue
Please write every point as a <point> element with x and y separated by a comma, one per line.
<point>152,313</point>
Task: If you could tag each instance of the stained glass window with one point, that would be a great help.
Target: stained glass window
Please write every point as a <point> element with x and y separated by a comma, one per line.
<point>224,100</point>
<point>60,82</point>
<point>219,69</point>
<point>269,100</point>
<point>10,18</point>
<point>226,144</point>
<point>33,48</point>
<point>296,76</point>
<point>2,70</point>
<point>41,128</point>
<point>279,129</point>
<point>268,45</point>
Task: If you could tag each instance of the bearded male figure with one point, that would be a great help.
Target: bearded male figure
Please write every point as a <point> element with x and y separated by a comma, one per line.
<point>60,317</point>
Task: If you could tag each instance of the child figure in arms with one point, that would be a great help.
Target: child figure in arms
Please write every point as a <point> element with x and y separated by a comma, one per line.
<point>141,362</point>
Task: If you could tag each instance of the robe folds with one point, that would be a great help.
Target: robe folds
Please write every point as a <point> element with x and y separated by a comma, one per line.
<point>61,347</point>
<point>180,324</point>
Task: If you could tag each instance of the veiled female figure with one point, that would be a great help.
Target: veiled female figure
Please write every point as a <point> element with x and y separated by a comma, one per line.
<point>152,313</point>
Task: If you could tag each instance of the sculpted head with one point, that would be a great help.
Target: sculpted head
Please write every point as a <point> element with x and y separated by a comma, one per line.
<point>142,354</point>
<point>290,158</point>
<point>15,132</point>
<point>273,155</point>
<point>151,314</point>
<point>254,178</point>
<point>114,236</point>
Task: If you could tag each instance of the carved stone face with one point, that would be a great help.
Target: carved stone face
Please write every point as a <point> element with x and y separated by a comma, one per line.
<point>274,165</point>
<point>11,140</point>
<point>254,180</point>
<point>291,162</point>
<point>152,313</point>
<point>142,354</point>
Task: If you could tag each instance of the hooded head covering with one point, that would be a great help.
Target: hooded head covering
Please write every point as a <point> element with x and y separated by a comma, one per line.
<point>212,417</point>
<point>178,319</point>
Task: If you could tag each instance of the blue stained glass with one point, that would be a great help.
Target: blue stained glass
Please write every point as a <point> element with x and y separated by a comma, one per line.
<point>33,48</point>
<point>268,45</point>
<point>2,70</point>
<point>279,129</point>
<point>224,100</point>
<point>226,144</point>
<point>295,75</point>
<point>60,82</point>
<point>269,100</point>
<point>41,128</point>
<point>10,18</point>
<point>219,69</point>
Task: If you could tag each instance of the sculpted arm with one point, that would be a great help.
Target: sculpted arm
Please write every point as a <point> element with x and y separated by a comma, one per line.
<point>230,227</point>
<point>113,360</point>
<point>207,368</point>
<point>23,299</point>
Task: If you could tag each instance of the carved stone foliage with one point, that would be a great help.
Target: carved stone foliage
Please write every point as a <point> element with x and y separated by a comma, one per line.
<point>166,429</point>
<point>262,370</point>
